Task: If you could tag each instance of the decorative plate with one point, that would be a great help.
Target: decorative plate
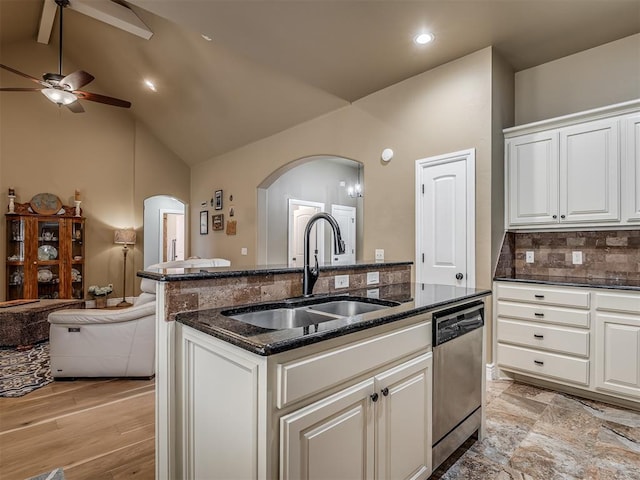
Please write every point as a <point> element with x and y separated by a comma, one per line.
<point>75,275</point>
<point>45,204</point>
<point>45,275</point>
<point>47,252</point>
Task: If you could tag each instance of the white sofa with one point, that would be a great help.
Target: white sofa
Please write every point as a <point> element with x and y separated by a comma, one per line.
<point>105,342</point>
<point>192,263</point>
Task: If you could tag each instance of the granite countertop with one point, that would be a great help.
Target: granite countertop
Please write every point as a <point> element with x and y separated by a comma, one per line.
<point>614,283</point>
<point>414,298</point>
<point>198,273</point>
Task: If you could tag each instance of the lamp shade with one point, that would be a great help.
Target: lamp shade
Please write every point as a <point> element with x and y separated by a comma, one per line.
<point>61,97</point>
<point>125,236</point>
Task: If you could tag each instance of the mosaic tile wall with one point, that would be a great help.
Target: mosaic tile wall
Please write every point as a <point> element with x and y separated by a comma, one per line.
<point>613,254</point>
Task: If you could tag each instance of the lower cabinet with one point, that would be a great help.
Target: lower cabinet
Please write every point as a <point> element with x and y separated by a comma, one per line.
<point>618,344</point>
<point>585,338</point>
<point>241,415</point>
<point>379,428</point>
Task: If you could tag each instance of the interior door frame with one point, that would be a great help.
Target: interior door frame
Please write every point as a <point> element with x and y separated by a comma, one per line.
<point>469,156</point>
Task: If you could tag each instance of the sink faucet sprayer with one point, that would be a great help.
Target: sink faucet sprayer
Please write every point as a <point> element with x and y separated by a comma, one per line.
<point>310,275</point>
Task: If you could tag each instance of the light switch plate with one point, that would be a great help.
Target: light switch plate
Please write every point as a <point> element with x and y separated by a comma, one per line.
<point>576,258</point>
<point>379,254</point>
<point>529,256</point>
<point>243,251</point>
<point>373,278</point>
<point>341,281</point>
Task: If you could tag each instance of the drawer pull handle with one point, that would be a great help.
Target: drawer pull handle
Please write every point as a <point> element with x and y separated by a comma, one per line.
<point>374,397</point>
<point>537,314</point>
<point>539,296</point>
<point>535,335</point>
<point>385,391</point>
<point>538,362</point>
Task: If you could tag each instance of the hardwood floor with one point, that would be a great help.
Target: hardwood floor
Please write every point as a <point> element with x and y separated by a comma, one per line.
<point>93,429</point>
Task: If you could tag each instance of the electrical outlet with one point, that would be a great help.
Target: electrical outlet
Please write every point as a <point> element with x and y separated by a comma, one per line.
<point>373,293</point>
<point>576,258</point>
<point>529,256</point>
<point>243,251</point>
<point>373,278</point>
<point>379,254</point>
<point>341,281</point>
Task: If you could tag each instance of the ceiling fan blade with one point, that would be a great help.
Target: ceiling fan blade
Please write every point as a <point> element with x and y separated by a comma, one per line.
<point>94,97</point>
<point>75,107</point>
<point>33,79</point>
<point>76,80</point>
<point>12,89</point>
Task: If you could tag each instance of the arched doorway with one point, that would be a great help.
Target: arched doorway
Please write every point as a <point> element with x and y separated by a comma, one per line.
<point>165,229</point>
<point>322,181</point>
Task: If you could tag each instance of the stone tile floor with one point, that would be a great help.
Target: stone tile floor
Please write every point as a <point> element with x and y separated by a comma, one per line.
<point>539,434</point>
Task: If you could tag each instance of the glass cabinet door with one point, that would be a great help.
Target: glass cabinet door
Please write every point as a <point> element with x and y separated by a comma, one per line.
<point>48,274</point>
<point>15,259</point>
<point>77,259</point>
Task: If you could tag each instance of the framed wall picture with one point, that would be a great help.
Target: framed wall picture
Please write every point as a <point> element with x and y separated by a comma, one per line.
<point>218,200</point>
<point>204,222</point>
<point>217,222</point>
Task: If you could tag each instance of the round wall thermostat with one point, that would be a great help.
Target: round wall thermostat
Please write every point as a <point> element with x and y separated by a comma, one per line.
<point>387,154</point>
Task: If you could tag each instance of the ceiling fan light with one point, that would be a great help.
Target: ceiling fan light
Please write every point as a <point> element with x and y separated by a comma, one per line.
<point>60,97</point>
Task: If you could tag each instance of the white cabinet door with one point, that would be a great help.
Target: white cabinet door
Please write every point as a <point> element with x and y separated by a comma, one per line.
<point>631,172</point>
<point>330,439</point>
<point>404,420</point>
<point>618,354</point>
<point>532,179</point>
<point>590,172</point>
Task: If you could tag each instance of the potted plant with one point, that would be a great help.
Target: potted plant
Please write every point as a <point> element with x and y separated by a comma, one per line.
<point>100,294</point>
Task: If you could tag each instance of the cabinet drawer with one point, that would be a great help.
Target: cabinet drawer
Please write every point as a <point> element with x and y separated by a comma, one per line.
<point>557,339</point>
<point>618,302</point>
<point>309,375</point>
<point>544,313</point>
<point>544,364</point>
<point>544,295</point>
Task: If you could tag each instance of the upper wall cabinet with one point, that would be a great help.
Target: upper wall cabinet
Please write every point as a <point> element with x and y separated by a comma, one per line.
<point>631,169</point>
<point>566,172</point>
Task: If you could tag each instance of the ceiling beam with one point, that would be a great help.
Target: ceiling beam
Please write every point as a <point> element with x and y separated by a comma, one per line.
<point>46,21</point>
<point>104,10</point>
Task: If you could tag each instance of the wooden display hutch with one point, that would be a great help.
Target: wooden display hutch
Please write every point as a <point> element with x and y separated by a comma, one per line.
<point>45,253</point>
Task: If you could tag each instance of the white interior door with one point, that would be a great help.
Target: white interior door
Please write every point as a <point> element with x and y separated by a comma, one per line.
<point>300,212</point>
<point>445,219</point>
<point>346,218</point>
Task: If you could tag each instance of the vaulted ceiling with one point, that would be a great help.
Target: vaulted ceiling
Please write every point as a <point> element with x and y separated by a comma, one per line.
<point>272,64</point>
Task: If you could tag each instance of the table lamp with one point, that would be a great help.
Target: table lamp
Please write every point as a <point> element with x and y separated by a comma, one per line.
<point>125,237</point>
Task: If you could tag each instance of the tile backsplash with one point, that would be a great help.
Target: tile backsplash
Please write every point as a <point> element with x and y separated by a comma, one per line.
<point>613,254</point>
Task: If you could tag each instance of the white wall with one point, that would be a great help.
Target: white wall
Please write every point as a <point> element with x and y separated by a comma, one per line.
<point>593,78</point>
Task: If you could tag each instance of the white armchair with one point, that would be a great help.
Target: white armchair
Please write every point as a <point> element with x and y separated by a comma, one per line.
<point>105,342</point>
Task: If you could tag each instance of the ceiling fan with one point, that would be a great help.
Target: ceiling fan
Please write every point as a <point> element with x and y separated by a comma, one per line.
<point>61,89</point>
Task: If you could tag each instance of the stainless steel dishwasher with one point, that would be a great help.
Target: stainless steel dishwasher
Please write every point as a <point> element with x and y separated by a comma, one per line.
<point>457,377</point>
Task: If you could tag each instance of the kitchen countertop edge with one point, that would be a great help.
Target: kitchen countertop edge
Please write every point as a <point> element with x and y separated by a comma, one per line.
<point>213,324</point>
<point>200,273</point>
<point>604,283</point>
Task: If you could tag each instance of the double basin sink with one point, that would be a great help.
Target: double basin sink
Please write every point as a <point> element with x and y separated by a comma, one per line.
<point>304,313</point>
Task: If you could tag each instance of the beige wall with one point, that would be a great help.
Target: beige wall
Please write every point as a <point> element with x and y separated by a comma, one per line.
<point>103,153</point>
<point>442,110</point>
<point>594,78</point>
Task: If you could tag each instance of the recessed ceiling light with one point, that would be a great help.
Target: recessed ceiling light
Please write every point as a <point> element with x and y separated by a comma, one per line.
<point>206,37</point>
<point>423,38</point>
<point>150,85</point>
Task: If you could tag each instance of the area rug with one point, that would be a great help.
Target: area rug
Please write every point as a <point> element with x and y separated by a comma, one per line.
<point>56,474</point>
<point>23,371</point>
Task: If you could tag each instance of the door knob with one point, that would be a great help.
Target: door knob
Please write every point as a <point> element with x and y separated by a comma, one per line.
<point>385,391</point>
<point>374,397</point>
<point>459,276</point>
